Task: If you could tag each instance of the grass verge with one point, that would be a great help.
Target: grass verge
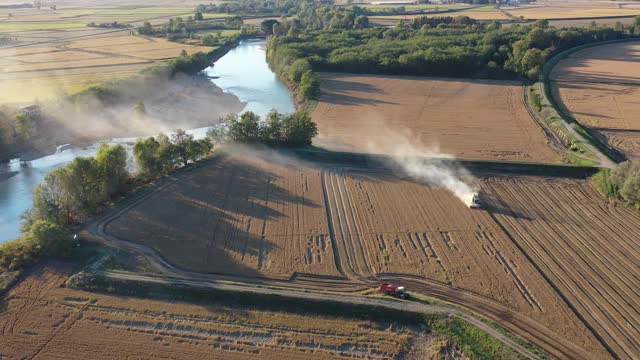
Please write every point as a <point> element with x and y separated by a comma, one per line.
<point>475,343</point>
<point>602,182</point>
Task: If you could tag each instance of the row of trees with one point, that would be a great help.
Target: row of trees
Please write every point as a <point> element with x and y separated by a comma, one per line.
<point>444,46</point>
<point>70,194</point>
<point>253,7</point>
<point>158,156</point>
<point>296,129</point>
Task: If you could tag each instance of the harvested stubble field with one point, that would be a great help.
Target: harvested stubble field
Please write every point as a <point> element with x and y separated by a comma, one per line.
<point>574,9</point>
<point>239,215</point>
<point>469,119</point>
<point>41,71</point>
<point>244,214</point>
<point>586,247</point>
<point>600,87</point>
<point>40,319</point>
<point>587,22</point>
<point>480,13</point>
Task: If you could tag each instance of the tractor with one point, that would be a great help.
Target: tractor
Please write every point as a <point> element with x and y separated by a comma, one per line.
<point>394,290</point>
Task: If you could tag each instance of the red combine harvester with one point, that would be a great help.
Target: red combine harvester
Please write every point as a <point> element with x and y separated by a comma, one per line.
<point>394,290</point>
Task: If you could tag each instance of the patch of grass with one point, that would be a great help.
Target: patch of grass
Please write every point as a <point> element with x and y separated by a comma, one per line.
<point>475,343</point>
<point>602,181</point>
<point>534,349</point>
<point>579,161</point>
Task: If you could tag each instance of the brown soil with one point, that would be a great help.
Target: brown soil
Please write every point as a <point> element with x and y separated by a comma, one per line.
<point>600,86</point>
<point>41,320</point>
<point>260,214</point>
<point>586,247</point>
<point>469,119</point>
<point>240,215</point>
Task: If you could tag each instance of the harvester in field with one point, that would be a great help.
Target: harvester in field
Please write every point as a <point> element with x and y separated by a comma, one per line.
<point>475,201</point>
<point>394,290</point>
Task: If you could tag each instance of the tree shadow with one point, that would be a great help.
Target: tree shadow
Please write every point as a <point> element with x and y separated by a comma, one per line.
<point>220,218</point>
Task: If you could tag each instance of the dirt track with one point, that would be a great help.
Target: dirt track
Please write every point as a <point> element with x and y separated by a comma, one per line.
<point>41,320</point>
<point>434,243</point>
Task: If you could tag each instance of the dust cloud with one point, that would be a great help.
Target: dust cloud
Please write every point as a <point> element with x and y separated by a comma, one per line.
<point>170,103</point>
<point>426,164</point>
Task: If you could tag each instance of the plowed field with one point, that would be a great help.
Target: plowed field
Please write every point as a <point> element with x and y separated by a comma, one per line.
<point>600,87</point>
<point>42,320</point>
<point>468,119</point>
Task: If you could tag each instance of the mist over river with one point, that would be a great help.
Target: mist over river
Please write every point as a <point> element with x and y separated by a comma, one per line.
<point>243,72</point>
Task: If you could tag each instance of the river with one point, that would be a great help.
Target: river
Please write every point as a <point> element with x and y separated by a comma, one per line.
<point>243,72</point>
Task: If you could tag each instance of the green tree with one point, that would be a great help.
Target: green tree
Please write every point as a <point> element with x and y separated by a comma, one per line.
<point>310,86</point>
<point>209,40</point>
<point>145,29</point>
<point>630,190</point>
<point>85,185</point>
<point>112,161</point>
<point>299,129</point>
<point>145,153</point>
<point>47,237</point>
<point>246,128</point>
<point>183,144</point>
<point>198,16</point>
<point>361,22</point>
<point>541,24</point>
<point>297,69</point>
<point>24,126</point>
<point>532,58</point>
<point>272,131</point>
<point>293,32</point>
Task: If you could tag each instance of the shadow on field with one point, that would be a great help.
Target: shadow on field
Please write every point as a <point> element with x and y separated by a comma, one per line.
<point>494,205</point>
<point>336,92</point>
<point>221,218</point>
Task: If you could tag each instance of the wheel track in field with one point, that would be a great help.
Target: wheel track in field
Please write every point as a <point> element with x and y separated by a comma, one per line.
<point>589,288</point>
<point>300,285</point>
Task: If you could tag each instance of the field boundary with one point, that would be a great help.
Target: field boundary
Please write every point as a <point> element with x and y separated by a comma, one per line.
<point>489,166</point>
<point>546,92</point>
<point>288,300</point>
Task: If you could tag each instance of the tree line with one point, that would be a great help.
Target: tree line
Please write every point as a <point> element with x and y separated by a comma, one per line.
<point>434,46</point>
<point>294,130</point>
<point>253,7</point>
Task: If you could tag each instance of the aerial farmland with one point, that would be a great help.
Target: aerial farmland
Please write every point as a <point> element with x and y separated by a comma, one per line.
<point>319,180</point>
